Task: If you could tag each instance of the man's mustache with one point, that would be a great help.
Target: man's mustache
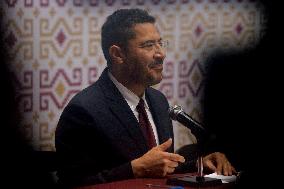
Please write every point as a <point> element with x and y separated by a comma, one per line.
<point>157,62</point>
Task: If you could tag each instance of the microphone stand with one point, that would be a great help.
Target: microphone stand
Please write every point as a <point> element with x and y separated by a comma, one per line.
<point>197,180</point>
<point>176,113</point>
<point>199,176</point>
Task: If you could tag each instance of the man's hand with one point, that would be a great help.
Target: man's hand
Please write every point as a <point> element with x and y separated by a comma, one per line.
<point>218,162</point>
<point>156,162</point>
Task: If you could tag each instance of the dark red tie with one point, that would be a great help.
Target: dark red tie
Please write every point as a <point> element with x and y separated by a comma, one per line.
<point>145,124</point>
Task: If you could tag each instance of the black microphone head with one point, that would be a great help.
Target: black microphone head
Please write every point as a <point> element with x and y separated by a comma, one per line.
<point>174,111</point>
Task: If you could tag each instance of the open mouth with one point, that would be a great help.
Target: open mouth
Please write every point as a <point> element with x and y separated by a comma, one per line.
<point>159,62</point>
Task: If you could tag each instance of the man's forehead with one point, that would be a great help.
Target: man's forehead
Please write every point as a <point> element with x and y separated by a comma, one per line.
<point>146,29</point>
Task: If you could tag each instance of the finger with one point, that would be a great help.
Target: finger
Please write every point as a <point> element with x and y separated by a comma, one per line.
<point>221,163</point>
<point>231,169</point>
<point>219,169</point>
<point>165,145</point>
<point>226,169</point>
<point>170,170</point>
<point>210,165</point>
<point>174,157</point>
<point>172,164</point>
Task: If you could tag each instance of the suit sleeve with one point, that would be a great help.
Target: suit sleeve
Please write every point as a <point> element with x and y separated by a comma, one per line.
<point>79,147</point>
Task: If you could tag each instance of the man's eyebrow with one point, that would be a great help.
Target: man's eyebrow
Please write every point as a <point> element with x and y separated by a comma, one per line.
<point>148,41</point>
<point>151,41</point>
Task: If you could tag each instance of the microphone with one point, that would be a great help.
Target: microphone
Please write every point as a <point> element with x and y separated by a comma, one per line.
<point>176,113</point>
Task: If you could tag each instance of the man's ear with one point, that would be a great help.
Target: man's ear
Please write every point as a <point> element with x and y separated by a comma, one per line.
<point>116,54</point>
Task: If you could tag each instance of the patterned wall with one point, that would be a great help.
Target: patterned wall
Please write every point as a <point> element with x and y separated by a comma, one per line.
<point>56,50</point>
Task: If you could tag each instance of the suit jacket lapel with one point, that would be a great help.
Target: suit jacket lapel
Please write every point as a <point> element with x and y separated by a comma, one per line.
<point>119,107</point>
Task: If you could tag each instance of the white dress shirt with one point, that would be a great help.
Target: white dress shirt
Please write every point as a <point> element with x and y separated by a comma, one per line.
<point>132,101</point>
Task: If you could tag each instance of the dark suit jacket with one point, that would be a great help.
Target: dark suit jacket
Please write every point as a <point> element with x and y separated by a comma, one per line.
<point>98,135</point>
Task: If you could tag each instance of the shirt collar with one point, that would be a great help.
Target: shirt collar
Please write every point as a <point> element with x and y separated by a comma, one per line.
<point>131,98</point>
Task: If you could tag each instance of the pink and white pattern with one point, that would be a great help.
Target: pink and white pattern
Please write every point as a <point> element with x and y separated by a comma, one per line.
<point>56,45</point>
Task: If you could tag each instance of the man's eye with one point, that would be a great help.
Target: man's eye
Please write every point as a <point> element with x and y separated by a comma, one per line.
<point>148,45</point>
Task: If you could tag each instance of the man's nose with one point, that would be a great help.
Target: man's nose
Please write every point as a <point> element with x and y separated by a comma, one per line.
<point>160,52</point>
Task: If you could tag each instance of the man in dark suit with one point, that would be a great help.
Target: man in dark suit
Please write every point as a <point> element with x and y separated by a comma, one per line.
<point>101,135</point>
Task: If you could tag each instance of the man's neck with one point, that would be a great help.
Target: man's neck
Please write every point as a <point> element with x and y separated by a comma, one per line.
<point>130,84</point>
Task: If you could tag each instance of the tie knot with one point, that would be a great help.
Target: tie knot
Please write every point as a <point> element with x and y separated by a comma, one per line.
<point>141,105</point>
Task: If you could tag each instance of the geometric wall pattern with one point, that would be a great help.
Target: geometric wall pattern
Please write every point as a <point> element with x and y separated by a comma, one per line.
<point>56,50</point>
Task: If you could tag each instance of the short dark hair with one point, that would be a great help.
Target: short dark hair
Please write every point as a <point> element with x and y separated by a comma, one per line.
<point>118,28</point>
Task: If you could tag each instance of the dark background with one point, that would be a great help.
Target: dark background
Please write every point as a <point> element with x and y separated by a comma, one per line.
<point>21,166</point>
<point>242,104</point>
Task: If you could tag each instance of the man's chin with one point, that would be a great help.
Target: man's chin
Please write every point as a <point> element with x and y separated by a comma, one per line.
<point>155,80</point>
